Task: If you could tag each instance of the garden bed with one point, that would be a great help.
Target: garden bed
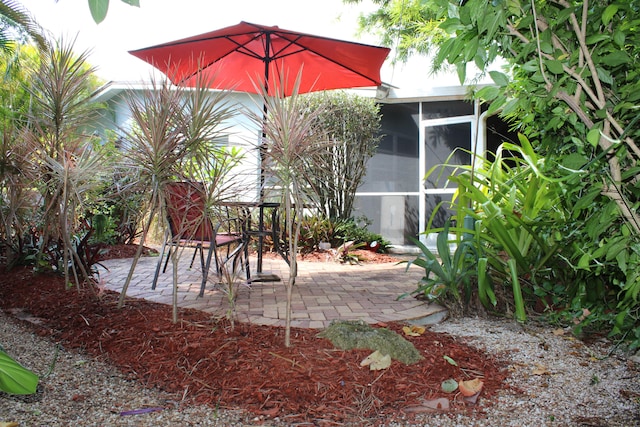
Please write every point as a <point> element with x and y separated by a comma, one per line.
<point>202,360</point>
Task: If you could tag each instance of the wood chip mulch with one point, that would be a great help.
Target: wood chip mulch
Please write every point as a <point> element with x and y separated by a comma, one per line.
<point>201,360</point>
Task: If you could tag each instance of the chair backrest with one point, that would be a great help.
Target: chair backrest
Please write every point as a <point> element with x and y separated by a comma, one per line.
<point>187,213</point>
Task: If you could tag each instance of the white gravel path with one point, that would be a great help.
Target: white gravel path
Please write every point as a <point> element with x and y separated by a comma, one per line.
<point>564,383</point>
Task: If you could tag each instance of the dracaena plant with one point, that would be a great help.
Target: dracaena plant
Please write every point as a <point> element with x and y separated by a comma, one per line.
<point>66,161</point>
<point>174,138</point>
<point>289,145</point>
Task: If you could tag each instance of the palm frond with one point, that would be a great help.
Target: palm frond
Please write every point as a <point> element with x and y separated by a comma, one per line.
<point>18,18</point>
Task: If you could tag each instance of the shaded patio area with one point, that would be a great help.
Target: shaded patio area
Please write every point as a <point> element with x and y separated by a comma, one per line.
<point>324,292</point>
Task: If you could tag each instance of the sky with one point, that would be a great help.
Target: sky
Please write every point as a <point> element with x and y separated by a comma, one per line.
<point>157,21</point>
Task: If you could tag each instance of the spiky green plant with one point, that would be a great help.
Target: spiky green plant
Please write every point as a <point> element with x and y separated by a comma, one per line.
<point>66,161</point>
<point>510,200</point>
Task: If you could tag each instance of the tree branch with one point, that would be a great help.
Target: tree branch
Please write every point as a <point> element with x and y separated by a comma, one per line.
<point>581,35</point>
<point>538,47</point>
<point>575,107</point>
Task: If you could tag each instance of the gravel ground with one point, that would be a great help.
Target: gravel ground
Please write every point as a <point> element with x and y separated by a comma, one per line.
<point>563,383</point>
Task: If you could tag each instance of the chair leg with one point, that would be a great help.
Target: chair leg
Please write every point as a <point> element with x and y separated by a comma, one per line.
<point>246,260</point>
<point>202,265</point>
<point>195,252</point>
<point>205,269</point>
<point>155,277</point>
<point>164,270</point>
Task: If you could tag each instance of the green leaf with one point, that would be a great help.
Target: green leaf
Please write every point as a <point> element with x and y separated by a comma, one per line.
<point>596,38</point>
<point>461,68</point>
<point>574,161</point>
<point>499,78</point>
<point>493,22</point>
<point>497,103</point>
<point>470,49</point>
<point>510,106</point>
<point>135,3</point>
<point>485,292</point>
<point>450,385</point>
<point>449,360</point>
<point>14,378</point>
<point>587,198</point>
<point>442,243</point>
<point>531,66</point>
<point>445,52</point>
<point>488,93</point>
<point>608,13</point>
<point>615,58</point>
<point>584,261</point>
<point>554,66</point>
<point>99,9</point>
<point>604,76</point>
<point>450,25</point>
<point>619,38</point>
<point>593,137</point>
<point>518,300</point>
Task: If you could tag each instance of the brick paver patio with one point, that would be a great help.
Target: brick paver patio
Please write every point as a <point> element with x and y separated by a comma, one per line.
<point>324,291</point>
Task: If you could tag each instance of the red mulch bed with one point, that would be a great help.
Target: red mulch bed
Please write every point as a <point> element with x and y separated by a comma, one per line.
<point>202,360</point>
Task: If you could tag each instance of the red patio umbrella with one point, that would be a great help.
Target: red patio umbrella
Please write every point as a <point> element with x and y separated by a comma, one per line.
<point>246,57</point>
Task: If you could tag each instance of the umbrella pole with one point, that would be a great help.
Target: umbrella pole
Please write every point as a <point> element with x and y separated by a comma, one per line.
<point>262,152</point>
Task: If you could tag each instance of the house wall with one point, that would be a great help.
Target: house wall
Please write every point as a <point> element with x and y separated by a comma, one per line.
<point>419,132</point>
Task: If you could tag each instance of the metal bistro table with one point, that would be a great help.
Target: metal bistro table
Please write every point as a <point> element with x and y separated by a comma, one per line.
<point>261,231</point>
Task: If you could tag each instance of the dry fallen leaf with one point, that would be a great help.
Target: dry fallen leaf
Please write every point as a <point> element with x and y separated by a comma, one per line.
<point>471,400</point>
<point>584,315</point>
<point>540,370</point>
<point>413,330</point>
<point>559,332</point>
<point>440,404</point>
<point>470,387</point>
<point>9,424</point>
<point>376,361</point>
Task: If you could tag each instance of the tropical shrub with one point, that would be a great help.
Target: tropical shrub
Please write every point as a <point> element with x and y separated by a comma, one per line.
<point>317,228</point>
<point>534,223</point>
<point>511,203</point>
<point>352,124</point>
<point>569,82</point>
<point>355,229</point>
<point>449,275</point>
<point>121,201</point>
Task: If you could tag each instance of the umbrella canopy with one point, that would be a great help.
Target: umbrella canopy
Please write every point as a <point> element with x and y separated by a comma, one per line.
<point>246,57</point>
